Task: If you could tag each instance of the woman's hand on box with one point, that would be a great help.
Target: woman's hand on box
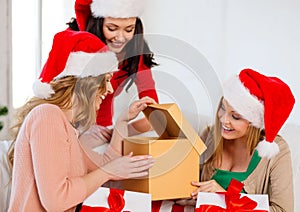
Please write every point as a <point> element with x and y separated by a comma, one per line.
<point>206,186</point>
<point>128,166</point>
<point>135,108</point>
<point>121,126</point>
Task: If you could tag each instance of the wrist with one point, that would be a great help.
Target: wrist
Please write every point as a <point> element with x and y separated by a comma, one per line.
<point>104,175</point>
<point>123,118</point>
<point>121,125</point>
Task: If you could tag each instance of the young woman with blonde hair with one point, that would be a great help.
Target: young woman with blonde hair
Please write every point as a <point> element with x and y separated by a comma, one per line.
<point>51,170</point>
<point>243,143</point>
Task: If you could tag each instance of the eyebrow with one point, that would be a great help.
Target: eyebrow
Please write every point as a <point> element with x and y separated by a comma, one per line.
<point>132,25</point>
<point>112,24</point>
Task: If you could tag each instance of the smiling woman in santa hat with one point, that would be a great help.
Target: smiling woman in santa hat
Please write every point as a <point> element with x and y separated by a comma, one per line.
<point>117,23</point>
<point>51,171</point>
<point>244,145</point>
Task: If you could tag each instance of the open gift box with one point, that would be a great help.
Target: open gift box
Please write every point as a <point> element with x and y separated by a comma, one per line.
<point>232,200</point>
<point>106,199</point>
<point>176,152</point>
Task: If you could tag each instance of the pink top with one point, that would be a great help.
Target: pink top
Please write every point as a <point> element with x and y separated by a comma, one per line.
<point>49,163</point>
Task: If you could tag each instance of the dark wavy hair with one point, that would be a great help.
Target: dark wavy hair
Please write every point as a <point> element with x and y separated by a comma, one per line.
<point>135,48</point>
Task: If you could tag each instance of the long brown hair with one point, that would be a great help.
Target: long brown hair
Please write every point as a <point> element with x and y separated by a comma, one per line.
<point>69,91</point>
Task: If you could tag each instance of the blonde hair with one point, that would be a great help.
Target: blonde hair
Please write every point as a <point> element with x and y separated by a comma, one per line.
<point>254,135</point>
<point>69,91</point>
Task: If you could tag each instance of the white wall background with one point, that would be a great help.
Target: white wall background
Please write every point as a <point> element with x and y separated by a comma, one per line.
<point>5,61</point>
<point>228,35</point>
<point>232,35</point>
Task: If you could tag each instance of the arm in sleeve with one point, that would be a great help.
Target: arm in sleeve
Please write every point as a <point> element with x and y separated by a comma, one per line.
<point>281,195</point>
<point>146,87</point>
<point>95,159</point>
<point>145,83</point>
<point>50,148</point>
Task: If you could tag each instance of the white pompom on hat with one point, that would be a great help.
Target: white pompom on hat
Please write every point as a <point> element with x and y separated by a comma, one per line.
<point>265,101</point>
<point>107,8</point>
<point>74,53</point>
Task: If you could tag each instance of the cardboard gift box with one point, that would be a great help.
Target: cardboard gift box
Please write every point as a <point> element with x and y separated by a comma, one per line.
<point>108,199</point>
<point>176,152</point>
<point>232,200</point>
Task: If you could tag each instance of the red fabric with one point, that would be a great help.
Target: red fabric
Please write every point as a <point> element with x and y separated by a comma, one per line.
<point>82,11</point>
<point>145,86</point>
<point>276,95</point>
<point>177,208</point>
<point>233,201</point>
<point>115,200</point>
<point>156,206</point>
<point>64,43</point>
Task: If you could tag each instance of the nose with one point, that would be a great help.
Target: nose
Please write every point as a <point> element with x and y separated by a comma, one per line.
<point>225,118</point>
<point>109,88</point>
<point>120,37</point>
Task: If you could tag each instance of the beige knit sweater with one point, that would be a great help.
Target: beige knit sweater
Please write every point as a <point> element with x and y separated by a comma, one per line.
<point>273,177</point>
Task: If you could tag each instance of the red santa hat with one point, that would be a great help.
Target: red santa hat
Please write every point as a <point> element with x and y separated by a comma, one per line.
<point>74,53</point>
<point>106,8</point>
<point>265,101</point>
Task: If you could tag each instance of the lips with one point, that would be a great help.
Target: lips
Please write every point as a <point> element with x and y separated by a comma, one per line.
<point>102,97</point>
<point>227,128</point>
<point>117,44</point>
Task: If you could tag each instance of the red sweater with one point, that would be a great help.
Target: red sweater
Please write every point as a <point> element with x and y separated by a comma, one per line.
<point>145,87</point>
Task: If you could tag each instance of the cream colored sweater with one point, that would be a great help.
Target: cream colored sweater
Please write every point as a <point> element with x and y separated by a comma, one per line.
<point>49,163</point>
<point>273,177</point>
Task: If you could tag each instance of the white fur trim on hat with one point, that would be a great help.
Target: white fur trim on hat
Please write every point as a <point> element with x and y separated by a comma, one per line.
<point>247,105</point>
<point>82,64</point>
<point>79,64</point>
<point>42,90</point>
<point>117,8</point>
<point>267,149</point>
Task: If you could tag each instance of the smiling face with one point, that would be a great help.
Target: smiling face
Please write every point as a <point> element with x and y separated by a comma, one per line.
<point>118,32</point>
<point>103,90</point>
<point>233,126</point>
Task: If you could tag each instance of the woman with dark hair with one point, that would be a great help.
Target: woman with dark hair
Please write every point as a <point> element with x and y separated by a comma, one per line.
<point>117,24</point>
